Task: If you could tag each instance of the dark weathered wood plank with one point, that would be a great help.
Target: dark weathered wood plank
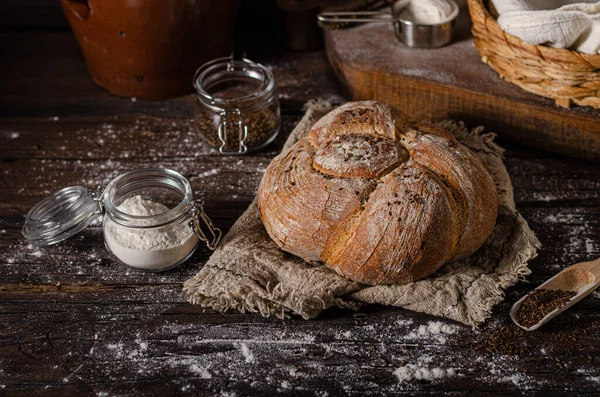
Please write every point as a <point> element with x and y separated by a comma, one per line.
<point>136,343</point>
<point>453,82</point>
<point>75,322</point>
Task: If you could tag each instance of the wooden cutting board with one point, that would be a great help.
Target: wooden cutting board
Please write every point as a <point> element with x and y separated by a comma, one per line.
<point>452,82</point>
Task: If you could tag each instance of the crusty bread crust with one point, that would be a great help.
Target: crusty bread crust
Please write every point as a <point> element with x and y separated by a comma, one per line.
<point>378,197</point>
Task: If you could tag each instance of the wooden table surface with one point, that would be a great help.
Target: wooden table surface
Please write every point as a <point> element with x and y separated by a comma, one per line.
<point>74,322</point>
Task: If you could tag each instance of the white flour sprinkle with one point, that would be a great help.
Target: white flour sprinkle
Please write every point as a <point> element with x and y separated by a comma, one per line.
<point>436,330</point>
<point>404,322</point>
<point>192,364</point>
<point>286,385</point>
<point>345,335</point>
<point>589,246</point>
<point>559,218</point>
<point>204,374</point>
<point>208,173</point>
<point>544,197</point>
<point>515,379</point>
<point>247,353</point>
<point>422,371</point>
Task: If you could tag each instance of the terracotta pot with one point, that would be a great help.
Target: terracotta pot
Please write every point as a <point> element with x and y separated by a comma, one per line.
<point>150,48</point>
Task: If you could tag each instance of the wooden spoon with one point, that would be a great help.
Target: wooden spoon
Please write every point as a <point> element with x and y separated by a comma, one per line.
<point>581,278</point>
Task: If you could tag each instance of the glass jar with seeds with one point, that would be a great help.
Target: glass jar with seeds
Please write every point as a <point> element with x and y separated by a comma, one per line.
<point>237,109</point>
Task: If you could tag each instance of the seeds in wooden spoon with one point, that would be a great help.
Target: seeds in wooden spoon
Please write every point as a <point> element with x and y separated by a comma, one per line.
<point>541,302</point>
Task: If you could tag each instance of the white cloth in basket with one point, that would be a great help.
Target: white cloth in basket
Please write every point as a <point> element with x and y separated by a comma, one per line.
<point>554,23</point>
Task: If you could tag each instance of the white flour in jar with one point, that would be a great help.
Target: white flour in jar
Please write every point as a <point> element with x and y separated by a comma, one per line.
<point>149,249</point>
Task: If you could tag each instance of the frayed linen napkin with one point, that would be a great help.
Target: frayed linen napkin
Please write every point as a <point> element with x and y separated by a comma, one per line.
<point>249,273</point>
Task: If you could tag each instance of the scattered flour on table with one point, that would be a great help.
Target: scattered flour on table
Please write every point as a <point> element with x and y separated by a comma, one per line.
<point>422,370</point>
<point>577,234</point>
<point>505,369</point>
<point>515,379</point>
<point>404,322</point>
<point>589,246</point>
<point>559,218</point>
<point>208,173</point>
<point>298,354</point>
<point>247,353</point>
<point>344,335</point>
<point>143,345</point>
<point>544,197</point>
<point>286,385</point>
<point>577,241</point>
<point>37,252</point>
<point>196,369</point>
<point>435,330</point>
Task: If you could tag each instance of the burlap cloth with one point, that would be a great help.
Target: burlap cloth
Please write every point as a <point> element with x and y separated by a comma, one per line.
<point>249,273</point>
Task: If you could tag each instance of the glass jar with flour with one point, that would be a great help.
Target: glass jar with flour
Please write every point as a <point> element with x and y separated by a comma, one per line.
<point>151,220</point>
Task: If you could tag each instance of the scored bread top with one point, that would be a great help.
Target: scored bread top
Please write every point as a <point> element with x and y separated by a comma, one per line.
<point>379,198</point>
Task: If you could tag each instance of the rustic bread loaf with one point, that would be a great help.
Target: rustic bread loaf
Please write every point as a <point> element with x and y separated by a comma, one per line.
<point>377,197</point>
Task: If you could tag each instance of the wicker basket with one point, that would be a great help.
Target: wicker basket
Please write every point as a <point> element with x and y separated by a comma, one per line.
<point>563,75</point>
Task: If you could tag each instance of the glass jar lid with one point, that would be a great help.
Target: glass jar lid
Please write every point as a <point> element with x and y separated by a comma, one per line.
<point>61,215</point>
<point>227,83</point>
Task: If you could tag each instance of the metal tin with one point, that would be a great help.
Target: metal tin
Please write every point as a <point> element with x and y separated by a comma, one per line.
<point>425,36</point>
<point>412,34</point>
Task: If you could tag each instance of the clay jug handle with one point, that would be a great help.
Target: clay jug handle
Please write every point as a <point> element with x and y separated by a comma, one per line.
<point>80,8</point>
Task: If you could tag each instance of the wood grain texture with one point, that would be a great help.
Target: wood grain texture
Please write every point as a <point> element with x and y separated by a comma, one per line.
<point>76,323</point>
<point>452,82</point>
